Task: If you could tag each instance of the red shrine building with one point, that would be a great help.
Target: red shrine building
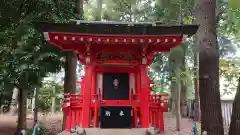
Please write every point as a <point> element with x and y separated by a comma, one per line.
<point>115,91</point>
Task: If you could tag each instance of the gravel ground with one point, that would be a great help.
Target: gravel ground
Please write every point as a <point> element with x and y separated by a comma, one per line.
<point>54,121</point>
<point>186,126</point>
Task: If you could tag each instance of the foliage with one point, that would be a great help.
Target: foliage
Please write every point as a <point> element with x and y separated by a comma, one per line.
<point>47,92</point>
<point>230,71</point>
<point>234,4</point>
<point>177,71</point>
<point>42,131</point>
<point>159,71</point>
<point>26,56</point>
<point>157,88</point>
<point>194,128</point>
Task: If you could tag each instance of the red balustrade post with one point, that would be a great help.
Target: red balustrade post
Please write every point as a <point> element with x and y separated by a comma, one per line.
<point>73,122</point>
<point>150,109</point>
<point>77,116</point>
<point>165,104</point>
<point>68,119</point>
<point>134,113</point>
<point>150,115</point>
<point>135,117</point>
<point>154,118</point>
<point>157,118</point>
<point>161,121</point>
<point>96,113</point>
<point>80,115</point>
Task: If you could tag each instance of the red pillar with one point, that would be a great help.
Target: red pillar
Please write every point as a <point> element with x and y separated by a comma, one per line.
<point>138,90</point>
<point>82,85</point>
<point>95,121</point>
<point>87,96</point>
<point>144,105</point>
<point>93,96</point>
<point>135,117</point>
<point>94,92</point>
<point>94,79</point>
<point>138,83</point>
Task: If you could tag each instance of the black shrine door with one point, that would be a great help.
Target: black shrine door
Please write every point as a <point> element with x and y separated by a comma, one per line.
<point>115,86</point>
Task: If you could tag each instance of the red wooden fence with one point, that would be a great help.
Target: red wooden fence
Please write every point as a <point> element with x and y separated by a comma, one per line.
<point>73,104</point>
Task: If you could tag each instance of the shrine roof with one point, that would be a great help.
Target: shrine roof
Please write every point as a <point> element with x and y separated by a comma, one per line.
<point>106,41</point>
<point>117,28</point>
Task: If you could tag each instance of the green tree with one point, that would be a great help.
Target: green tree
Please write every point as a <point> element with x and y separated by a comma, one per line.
<point>26,56</point>
<point>211,117</point>
<point>49,93</point>
<point>234,125</point>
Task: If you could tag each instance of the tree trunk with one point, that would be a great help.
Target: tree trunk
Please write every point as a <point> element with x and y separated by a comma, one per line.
<point>71,64</point>
<point>170,102</point>
<point>53,103</point>
<point>173,98</point>
<point>33,101</point>
<point>1,101</point>
<point>70,78</point>
<point>183,93</point>
<point>98,14</point>
<point>178,106</point>
<point>195,49</point>
<point>79,8</point>
<point>197,112</point>
<point>13,107</point>
<point>235,119</point>
<point>211,117</point>
<point>35,106</point>
<point>183,98</point>
<point>27,105</point>
<point>70,73</point>
<point>22,114</point>
<point>173,86</point>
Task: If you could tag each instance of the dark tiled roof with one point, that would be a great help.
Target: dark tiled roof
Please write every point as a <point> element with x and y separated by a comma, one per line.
<point>117,28</point>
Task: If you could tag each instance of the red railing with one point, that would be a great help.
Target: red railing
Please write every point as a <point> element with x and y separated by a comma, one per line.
<point>158,103</point>
<point>73,105</point>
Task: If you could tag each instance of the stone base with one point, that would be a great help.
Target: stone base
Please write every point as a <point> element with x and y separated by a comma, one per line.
<point>66,133</point>
<point>98,131</point>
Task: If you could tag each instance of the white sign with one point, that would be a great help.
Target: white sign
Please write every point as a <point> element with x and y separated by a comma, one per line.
<point>107,113</point>
<point>121,113</point>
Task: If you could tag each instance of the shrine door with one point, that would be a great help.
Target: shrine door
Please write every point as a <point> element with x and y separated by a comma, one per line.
<point>115,87</point>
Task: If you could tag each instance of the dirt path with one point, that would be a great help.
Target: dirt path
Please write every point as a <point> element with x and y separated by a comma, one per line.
<point>8,123</point>
<point>54,123</point>
<point>186,126</point>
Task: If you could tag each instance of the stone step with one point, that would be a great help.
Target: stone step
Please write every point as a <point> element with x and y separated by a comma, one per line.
<point>98,131</point>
